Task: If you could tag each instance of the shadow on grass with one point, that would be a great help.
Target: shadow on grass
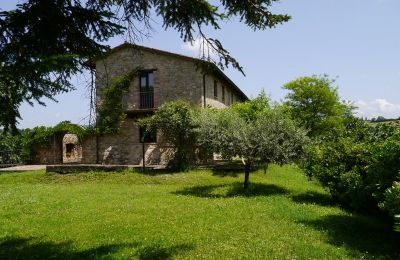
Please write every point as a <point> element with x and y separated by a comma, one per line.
<point>232,190</point>
<point>158,171</point>
<point>226,173</point>
<point>367,235</point>
<point>10,172</point>
<point>27,248</point>
<point>156,252</point>
<point>313,197</point>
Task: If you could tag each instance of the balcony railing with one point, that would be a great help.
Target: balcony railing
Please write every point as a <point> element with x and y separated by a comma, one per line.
<point>146,99</point>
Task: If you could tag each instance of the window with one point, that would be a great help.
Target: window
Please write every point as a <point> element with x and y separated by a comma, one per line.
<point>146,82</point>
<point>148,137</point>
<point>215,89</point>
<point>223,94</point>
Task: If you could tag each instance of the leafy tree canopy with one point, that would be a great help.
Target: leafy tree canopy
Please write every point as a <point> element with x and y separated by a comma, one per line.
<point>249,110</point>
<point>44,42</point>
<point>314,102</point>
<point>266,136</point>
<point>176,121</point>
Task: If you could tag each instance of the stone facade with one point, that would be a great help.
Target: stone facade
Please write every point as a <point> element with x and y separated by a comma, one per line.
<point>175,77</point>
<point>124,148</point>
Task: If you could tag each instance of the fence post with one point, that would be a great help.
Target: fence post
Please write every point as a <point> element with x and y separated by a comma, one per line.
<point>143,152</point>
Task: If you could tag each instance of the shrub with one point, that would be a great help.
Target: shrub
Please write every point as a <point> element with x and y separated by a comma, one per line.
<point>391,203</point>
<point>391,199</point>
<point>10,149</point>
<point>176,121</point>
<point>357,164</point>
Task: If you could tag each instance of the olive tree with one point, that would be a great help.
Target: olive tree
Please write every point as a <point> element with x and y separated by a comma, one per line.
<point>268,137</point>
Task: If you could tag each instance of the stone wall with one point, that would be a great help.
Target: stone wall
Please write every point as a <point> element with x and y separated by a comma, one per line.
<point>72,149</point>
<point>124,148</point>
<point>51,153</point>
<point>89,150</point>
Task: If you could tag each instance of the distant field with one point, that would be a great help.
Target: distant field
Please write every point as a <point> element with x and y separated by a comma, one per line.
<point>187,215</point>
<point>389,121</point>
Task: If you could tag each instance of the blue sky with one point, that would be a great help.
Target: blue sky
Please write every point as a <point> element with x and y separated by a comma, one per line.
<point>355,41</point>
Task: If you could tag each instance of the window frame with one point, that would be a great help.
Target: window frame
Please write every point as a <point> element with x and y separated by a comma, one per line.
<point>147,87</point>
<point>146,91</point>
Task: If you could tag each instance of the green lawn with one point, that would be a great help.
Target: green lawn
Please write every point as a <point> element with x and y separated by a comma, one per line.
<point>187,215</point>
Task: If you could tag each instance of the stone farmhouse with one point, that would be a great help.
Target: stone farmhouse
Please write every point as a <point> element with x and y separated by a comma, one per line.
<point>163,76</point>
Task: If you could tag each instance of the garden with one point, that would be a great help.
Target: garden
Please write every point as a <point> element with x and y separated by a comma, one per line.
<point>195,214</point>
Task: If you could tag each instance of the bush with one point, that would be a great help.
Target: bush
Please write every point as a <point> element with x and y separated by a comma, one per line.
<point>176,121</point>
<point>391,203</point>
<point>10,149</point>
<point>391,200</point>
<point>356,164</point>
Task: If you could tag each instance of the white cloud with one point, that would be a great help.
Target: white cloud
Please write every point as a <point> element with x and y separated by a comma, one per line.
<point>197,47</point>
<point>377,107</point>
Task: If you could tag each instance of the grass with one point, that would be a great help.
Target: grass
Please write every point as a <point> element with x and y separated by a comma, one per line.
<point>199,214</point>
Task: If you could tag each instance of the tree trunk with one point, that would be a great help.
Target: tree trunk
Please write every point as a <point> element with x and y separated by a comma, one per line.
<point>265,167</point>
<point>246,175</point>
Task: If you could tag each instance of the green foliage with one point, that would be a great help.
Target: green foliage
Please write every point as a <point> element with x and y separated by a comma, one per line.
<point>252,131</point>
<point>111,113</point>
<point>21,148</point>
<point>391,201</point>
<point>42,136</point>
<point>10,98</point>
<point>176,121</point>
<point>44,43</point>
<point>315,103</point>
<point>270,137</point>
<point>357,164</point>
<point>10,149</point>
<point>249,110</point>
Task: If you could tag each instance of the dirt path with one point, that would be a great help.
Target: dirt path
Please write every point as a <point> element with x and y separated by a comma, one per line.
<point>24,168</point>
